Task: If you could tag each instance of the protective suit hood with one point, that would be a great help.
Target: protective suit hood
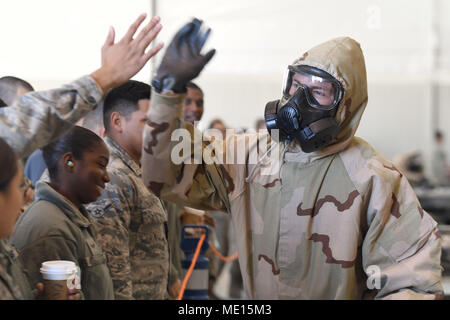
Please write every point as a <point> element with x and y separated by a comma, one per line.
<point>343,59</point>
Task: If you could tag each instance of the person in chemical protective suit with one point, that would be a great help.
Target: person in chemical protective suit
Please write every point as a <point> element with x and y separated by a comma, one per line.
<point>318,213</point>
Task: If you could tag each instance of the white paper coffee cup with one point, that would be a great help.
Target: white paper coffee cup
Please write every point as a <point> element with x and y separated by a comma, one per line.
<point>59,276</point>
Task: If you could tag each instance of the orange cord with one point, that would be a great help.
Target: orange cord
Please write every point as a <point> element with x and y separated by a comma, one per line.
<point>221,257</point>
<point>191,267</point>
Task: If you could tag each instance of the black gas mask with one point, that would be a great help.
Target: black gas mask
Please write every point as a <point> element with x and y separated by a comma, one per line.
<point>307,111</point>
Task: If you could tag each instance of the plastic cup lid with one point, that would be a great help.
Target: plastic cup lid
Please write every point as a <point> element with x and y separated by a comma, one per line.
<point>194,211</point>
<point>58,267</point>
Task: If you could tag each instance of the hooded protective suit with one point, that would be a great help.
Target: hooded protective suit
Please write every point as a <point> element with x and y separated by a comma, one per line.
<point>339,223</point>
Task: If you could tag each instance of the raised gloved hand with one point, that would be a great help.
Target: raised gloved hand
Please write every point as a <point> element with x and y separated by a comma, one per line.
<point>182,61</point>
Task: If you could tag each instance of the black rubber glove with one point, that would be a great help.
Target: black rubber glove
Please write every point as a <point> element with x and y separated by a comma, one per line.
<point>182,60</point>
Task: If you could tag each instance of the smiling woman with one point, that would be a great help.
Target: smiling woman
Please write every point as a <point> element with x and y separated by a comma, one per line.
<point>77,165</point>
<point>57,226</point>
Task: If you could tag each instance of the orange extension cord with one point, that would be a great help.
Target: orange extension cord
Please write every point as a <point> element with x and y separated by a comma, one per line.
<point>194,261</point>
<point>191,267</point>
<point>221,257</point>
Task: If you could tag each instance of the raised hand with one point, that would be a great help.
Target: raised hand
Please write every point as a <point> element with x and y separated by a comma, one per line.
<point>122,60</point>
<point>182,60</point>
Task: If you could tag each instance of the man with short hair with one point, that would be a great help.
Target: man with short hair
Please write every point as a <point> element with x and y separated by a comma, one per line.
<point>11,88</point>
<point>193,103</point>
<point>130,219</point>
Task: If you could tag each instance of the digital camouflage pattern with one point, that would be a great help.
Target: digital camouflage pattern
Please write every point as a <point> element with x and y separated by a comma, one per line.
<point>31,122</point>
<point>9,289</point>
<point>174,239</point>
<point>315,224</point>
<point>39,117</point>
<point>13,283</point>
<point>131,224</point>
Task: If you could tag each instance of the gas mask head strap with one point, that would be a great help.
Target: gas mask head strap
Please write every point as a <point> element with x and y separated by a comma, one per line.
<point>315,127</point>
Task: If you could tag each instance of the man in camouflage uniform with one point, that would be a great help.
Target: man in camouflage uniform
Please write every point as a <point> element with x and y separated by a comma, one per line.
<point>340,222</point>
<point>37,118</point>
<point>131,221</point>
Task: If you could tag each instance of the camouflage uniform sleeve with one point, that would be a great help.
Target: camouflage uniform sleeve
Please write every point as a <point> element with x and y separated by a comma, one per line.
<point>9,286</point>
<point>37,118</point>
<point>200,186</point>
<point>5,290</point>
<point>402,247</point>
<point>174,226</point>
<point>112,215</point>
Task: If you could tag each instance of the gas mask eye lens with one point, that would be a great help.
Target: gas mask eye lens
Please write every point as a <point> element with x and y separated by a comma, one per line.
<point>322,90</point>
<point>324,95</point>
<point>319,91</point>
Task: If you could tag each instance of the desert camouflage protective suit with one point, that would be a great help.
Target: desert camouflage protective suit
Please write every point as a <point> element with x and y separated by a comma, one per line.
<point>313,225</point>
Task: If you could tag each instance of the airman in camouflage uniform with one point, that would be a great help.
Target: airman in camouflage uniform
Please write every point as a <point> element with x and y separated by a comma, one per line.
<point>338,223</point>
<point>132,227</point>
<point>37,118</point>
<point>31,122</point>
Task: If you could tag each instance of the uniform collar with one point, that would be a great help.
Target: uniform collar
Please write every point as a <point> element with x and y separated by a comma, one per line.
<point>120,153</point>
<point>79,216</point>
